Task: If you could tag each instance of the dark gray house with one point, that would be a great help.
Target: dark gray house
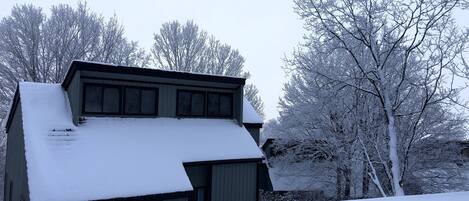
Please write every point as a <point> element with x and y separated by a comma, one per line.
<point>123,133</point>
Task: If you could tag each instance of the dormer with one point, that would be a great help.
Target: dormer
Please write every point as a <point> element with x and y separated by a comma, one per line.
<point>98,89</point>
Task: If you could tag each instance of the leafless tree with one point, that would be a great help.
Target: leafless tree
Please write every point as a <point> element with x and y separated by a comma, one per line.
<point>40,48</point>
<point>184,47</point>
<point>402,49</point>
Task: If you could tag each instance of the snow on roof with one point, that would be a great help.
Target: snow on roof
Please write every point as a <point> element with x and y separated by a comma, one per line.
<point>457,196</point>
<point>250,115</point>
<point>116,157</point>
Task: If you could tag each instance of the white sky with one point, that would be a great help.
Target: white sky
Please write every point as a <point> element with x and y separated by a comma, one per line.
<point>264,31</point>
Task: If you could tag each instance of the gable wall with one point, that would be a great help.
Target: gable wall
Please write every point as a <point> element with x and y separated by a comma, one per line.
<point>73,92</point>
<point>15,167</point>
<point>226,181</point>
<point>234,182</point>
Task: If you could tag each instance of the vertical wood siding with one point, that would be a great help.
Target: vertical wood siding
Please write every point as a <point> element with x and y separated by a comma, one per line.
<point>73,93</point>
<point>234,182</point>
<point>16,161</point>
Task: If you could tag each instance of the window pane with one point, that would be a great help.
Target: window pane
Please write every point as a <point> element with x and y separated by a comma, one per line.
<point>213,104</point>
<point>93,98</point>
<point>148,101</point>
<point>111,100</point>
<point>225,105</point>
<point>184,103</point>
<point>197,105</point>
<point>132,100</point>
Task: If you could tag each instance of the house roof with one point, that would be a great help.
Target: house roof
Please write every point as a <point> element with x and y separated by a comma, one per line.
<point>250,115</point>
<point>117,157</point>
<point>77,65</point>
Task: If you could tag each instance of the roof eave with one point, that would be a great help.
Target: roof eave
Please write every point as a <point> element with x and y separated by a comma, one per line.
<point>109,68</point>
<point>11,112</point>
<point>253,125</point>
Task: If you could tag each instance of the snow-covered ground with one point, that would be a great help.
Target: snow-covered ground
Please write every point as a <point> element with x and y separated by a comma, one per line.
<point>458,196</point>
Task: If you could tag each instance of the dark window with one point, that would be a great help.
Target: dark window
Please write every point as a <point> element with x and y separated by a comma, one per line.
<point>219,104</point>
<point>190,103</point>
<point>102,99</point>
<point>132,101</point>
<point>141,101</point>
<point>93,97</point>
<point>149,101</point>
<point>111,100</point>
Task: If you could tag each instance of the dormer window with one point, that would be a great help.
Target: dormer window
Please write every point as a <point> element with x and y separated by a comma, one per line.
<point>219,104</point>
<point>190,103</point>
<point>204,104</point>
<point>118,100</point>
<point>142,101</point>
<point>101,99</point>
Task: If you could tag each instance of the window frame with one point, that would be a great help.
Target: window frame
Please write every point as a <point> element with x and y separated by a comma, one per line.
<point>119,88</point>
<point>139,88</point>
<point>205,105</point>
<point>204,113</point>
<point>219,104</point>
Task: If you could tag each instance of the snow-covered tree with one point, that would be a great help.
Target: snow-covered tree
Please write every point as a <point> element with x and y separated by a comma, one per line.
<point>185,47</point>
<point>40,48</point>
<point>375,79</point>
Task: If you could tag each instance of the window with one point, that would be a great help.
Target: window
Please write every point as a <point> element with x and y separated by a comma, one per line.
<point>112,99</point>
<point>102,99</point>
<point>143,101</point>
<point>219,104</point>
<point>193,103</point>
<point>190,103</point>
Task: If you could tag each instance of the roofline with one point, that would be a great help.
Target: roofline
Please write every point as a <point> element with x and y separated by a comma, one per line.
<point>13,107</point>
<point>227,161</point>
<point>110,68</point>
<point>253,125</point>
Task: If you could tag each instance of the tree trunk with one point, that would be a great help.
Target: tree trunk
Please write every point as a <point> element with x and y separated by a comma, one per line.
<point>393,156</point>
<point>366,180</point>
<point>338,183</point>
<point>348,182</point>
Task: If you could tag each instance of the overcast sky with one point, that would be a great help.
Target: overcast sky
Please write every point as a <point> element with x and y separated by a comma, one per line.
<point>264,31</point>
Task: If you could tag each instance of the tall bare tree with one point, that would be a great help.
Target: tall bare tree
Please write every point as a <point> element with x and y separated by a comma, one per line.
<point>35,47</point>
<point>396,61</point>
<point>184,47</point>
<point>40,48</point>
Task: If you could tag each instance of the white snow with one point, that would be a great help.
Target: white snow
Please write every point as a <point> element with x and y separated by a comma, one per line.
<point>457,196</point>
<point>249,113</point>
<point>116,157</point>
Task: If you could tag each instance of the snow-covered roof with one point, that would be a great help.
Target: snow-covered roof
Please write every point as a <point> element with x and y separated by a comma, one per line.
<point>116,157</point>
<point>250,115</point>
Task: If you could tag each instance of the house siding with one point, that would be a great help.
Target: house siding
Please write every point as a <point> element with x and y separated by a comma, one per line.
<point>199,175</point>
<point>255,133</point>
<point>73,92</point>
<point>234,182</point>
<point>15,168</point>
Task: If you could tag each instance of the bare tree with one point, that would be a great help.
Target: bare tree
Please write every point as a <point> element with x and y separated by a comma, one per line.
<point>40,48</point>
<point>402,49</point>
<point>184,47</point>
<point>34,47</point>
